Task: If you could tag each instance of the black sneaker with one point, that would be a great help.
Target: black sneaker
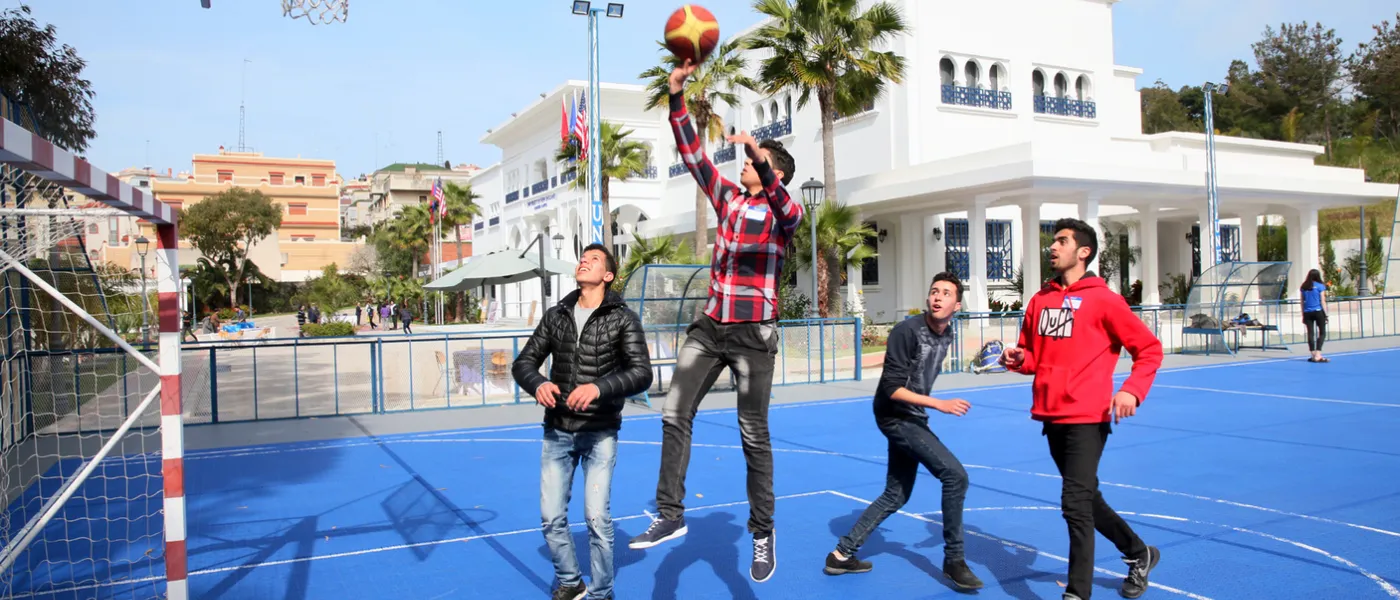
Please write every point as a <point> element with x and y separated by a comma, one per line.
<point>836,566</point>
<point>661,530</point>
<point>1138,568</point>
<point>570,592</point>
<point>962,576</point>
<point>765,557</point>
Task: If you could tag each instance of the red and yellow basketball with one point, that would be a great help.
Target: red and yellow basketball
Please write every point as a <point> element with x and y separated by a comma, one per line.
<point>692,32</point>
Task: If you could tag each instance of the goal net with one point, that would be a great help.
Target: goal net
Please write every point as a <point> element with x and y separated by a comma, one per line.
<point>81,460</point>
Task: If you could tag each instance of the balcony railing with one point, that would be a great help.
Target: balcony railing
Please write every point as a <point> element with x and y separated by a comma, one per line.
<point>539,186</point>
<point>977,97</point>
<point>554,181</point>
<point>513,196</point>
<point>478,226</point>
<point>677,170</point>
<point>773,130</point>
<point>568,176</point>
<point>1065,107</point>
<point>647,173</point>
<point>495,221</point>
<point>725,154</point>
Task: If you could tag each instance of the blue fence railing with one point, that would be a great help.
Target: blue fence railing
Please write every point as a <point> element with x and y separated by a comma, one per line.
<point>314,377</point>
<point>1281,324</point>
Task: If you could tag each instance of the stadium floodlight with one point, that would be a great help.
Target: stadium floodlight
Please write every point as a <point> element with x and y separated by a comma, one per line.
<point>581,7</point>
<point>615,10</point>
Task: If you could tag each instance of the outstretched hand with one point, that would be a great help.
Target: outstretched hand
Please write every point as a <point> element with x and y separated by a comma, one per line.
<point>750,145</point>
<point>679,75</point>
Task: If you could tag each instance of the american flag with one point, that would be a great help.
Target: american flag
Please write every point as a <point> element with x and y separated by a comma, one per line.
<point>581,126</point>
<point>438,207</point>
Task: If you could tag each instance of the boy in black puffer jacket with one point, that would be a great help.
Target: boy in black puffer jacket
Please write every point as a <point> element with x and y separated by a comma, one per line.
<point>600,358</point>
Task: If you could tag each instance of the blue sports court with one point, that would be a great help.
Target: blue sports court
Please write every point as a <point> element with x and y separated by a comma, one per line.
<point>1267,479</point>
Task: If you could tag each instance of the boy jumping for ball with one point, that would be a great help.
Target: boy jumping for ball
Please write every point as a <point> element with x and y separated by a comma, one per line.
<point>1071,337</point>
<point>913,359</point>
<point>739,328</point>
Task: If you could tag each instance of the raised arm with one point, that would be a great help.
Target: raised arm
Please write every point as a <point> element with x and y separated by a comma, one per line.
<point>692,148</point>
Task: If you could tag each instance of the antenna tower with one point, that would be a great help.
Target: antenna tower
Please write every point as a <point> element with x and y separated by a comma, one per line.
<point>439,160</point>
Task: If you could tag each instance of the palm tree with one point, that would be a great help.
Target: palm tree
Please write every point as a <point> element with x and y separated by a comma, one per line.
<point>716,81</point>
<point>410,232</point>
<point>827,48</point>
<point>461,209</point>
<point>659,250</point>
<point>841,242</point>
<point>622,159</point>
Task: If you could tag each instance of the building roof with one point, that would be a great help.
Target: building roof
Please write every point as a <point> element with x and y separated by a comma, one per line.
<point>401,167</point>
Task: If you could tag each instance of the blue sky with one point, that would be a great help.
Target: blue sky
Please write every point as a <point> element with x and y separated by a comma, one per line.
<point>378,88</point>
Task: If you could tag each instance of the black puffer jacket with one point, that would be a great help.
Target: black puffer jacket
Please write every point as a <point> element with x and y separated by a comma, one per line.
<point>612,354</point>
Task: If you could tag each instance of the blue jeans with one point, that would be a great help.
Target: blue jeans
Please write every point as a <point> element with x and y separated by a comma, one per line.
<point>561,453</point>
<point>912,443</point>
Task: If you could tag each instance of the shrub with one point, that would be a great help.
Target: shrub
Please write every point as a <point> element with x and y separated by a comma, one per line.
<point>337,329</point>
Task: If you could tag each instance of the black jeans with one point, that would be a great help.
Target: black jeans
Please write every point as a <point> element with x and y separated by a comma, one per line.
<point>1076,449</point>
<point>1316,319</point>
<point>748,350</point>
<point>912,443</point>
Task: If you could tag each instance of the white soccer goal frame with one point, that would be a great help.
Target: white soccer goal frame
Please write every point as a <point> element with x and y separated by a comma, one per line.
<point>32,154</point>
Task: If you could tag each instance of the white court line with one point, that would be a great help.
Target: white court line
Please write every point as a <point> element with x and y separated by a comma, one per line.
<point>377,550</point>
<point>1201,498</point>
<point>1283,396</point>
<point>1023,548</point>
<point>1385,585</point>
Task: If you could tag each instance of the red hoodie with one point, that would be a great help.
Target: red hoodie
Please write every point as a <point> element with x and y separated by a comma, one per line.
<point>1072,339</point>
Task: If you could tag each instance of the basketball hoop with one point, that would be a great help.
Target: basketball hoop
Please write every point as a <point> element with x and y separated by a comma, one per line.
<point>317,11</point>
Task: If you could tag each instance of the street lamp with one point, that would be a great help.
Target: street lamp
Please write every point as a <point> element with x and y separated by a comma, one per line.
<point>142,245</point>
<point>1215,252</point>
<point>558,240</point>
<point>811,196</point>
<point>595,192</point>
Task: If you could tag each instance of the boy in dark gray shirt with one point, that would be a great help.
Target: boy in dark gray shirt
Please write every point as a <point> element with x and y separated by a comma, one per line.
<point>914,357</point>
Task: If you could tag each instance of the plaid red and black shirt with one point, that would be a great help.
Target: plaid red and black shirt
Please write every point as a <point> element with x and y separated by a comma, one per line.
<point>753,230</point>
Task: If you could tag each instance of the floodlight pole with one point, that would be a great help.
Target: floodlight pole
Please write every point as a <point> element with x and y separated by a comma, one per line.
<point>1212,196</point>
<point>1361,281</point>
<point>595,168</point>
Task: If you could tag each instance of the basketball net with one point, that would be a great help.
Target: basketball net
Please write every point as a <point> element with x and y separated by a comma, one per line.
<point>317,11</point>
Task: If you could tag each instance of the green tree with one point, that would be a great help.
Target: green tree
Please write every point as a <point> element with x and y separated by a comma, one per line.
<point>623,158</point>
<point>37,71</point>
<point>331,290</point>
<point>1307,65</point>
<point>659,250</point>
<point>223,228</point>
<point>826,48</point>
<point>461,209</point>
<point>716,82</point>
<point>1375,70</point>
<point>1163,111</point>
<point>842,240</point>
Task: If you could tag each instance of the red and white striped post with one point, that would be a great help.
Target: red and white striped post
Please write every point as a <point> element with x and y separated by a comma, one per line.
<point>171,410</point>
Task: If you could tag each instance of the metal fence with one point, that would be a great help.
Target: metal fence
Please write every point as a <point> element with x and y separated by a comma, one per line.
<point>314,377</point>
<point>1348,319</point>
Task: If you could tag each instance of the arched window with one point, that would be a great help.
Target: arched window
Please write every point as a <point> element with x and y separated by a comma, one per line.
<point>997,76</point>
<point>972,75</point>
<point>1061,85</point>
<point>758,115</point>
<point>787,104</point>
<point>947,71</point>
<point>773,111</point>
<point>1082,88</point>
<point>1038,83</point>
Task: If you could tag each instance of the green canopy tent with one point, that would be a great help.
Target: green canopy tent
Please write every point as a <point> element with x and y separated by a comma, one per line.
<point>502,267</point>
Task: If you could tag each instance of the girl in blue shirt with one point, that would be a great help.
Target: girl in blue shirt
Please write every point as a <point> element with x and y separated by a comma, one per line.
<point>1315,313</point>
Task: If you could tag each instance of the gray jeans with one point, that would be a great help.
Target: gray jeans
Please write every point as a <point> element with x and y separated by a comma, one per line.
<point>748,350</point>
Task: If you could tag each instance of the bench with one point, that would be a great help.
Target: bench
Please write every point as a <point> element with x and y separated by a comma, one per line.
<point>1238,331</point>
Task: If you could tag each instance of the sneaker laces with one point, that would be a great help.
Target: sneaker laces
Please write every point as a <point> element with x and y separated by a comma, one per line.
<point>760,549</point>
<point>1137,569</point>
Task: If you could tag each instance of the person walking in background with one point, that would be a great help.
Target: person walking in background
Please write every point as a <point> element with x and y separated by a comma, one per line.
<point>301,320</point>
<point>406,315</point>
<point>1072,335</point>
<point>358,308</point>
<point>1315,314</point>
<point>383,313</point>
<point>600,358</point>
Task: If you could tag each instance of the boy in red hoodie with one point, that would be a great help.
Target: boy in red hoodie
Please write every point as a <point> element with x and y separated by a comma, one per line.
<point>1071,337</point>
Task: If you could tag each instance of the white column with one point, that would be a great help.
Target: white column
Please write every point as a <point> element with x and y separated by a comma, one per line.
<point>1089,213</point>
<point>975,299</point>
<point>1249,236</point>
<point>932,249</point>
<point>1208,258</point>
<point>1147,240</point>
<point>854,287</point>
<point>909,290</point>
<point>1302,245</point>
<point>1030,250</point>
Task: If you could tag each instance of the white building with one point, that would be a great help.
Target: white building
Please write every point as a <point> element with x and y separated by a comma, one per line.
<point>1000,127</point>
